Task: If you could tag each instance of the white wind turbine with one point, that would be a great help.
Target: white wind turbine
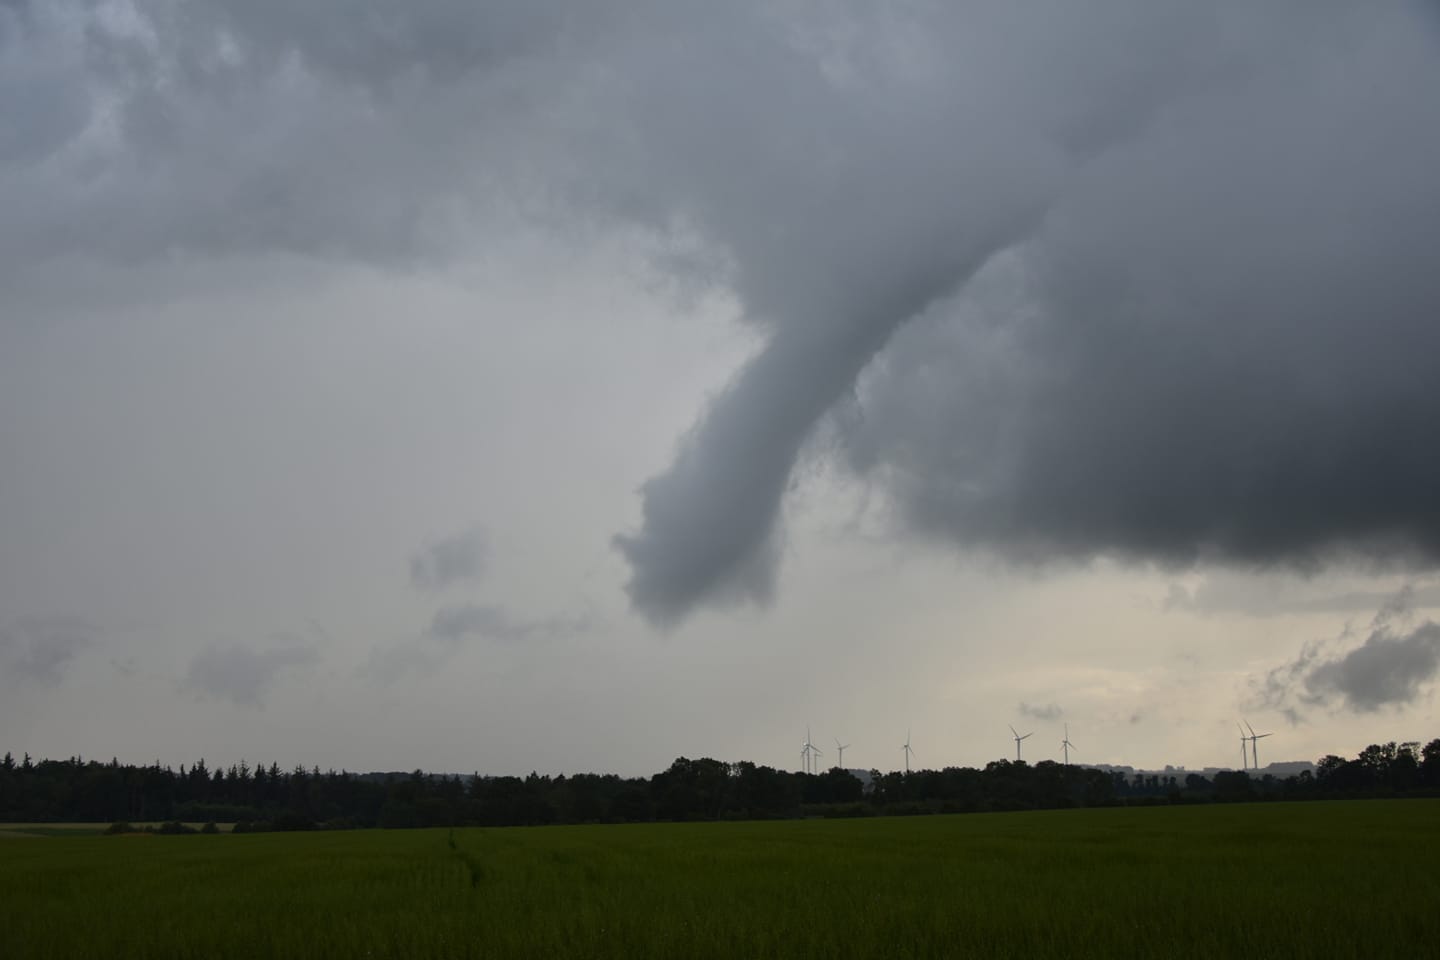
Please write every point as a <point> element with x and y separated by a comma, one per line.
<point>806,750</point>
<point>1065,745</point>
<point>1244,753</point>
<point>840,749</point>
<point>1018,738</point>
<point>1254,738</point>
<point>908,752</point>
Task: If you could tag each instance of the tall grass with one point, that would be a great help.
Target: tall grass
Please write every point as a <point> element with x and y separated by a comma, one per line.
<point>1357,879</point>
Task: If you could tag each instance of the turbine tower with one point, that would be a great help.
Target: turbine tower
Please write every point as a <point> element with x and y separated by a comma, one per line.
<point>1244,754</point>
<point>1065,745</point>
<point>1018,738</point>
<point>840,749</point>
<point>1254,738</point>
<point>908,752</point>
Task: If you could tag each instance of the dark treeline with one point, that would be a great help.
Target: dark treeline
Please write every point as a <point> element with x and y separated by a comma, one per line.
<point>270,798</point>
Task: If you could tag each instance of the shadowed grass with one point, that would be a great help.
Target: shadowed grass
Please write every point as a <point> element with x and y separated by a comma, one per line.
<point>1275,880</point>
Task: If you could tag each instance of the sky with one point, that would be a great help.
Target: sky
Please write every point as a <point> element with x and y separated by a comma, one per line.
<point>570,385</point>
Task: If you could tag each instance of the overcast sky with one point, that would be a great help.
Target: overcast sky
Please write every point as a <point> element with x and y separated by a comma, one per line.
<point>577,384</point>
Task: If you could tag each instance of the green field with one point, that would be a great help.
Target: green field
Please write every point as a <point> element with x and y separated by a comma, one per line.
<point>1357,879</point>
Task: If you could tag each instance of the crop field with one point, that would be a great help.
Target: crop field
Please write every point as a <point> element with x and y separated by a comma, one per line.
<point>8,830</point>
<point>1359,879</point>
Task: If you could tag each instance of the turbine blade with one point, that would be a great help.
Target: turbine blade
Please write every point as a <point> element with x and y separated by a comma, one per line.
<point>1250,728</point>
<point>1013,730</point>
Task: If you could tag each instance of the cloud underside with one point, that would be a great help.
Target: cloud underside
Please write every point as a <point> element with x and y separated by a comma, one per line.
<point>1145,278</point>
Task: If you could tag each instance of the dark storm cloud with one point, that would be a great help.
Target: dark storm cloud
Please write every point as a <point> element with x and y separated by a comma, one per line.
<point>1192,322</point>
<point>1392,667</point>
<point>1219,348</point>
<point>245,675</point>
<point>37,649</point>
<point>877,182</point>
<point>456,559</point>
<point>1386,670</point>
<point>1140,277</point>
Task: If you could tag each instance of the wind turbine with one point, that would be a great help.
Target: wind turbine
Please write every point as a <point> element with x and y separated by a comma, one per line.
<point>908,752</point>
<point>840,749</point>
<point>1254,737</point>
<point>806,749</point>
<point>1244,756</point>
<point>1064,745</point>
<point>1018,738</point>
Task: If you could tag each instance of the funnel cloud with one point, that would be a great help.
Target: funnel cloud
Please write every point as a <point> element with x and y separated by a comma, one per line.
<point>1203,334</point>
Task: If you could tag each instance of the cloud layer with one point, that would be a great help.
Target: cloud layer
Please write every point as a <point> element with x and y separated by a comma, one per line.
<point>1143,277</point>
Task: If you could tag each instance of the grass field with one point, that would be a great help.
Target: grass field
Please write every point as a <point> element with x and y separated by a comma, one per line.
<point>1357,879</point>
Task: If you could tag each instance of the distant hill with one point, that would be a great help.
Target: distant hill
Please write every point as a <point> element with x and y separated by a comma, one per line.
<point>376,776</point>
<point>1280,770</point>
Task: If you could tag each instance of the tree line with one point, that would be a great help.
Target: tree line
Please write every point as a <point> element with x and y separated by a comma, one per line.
<point>260,797</point>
